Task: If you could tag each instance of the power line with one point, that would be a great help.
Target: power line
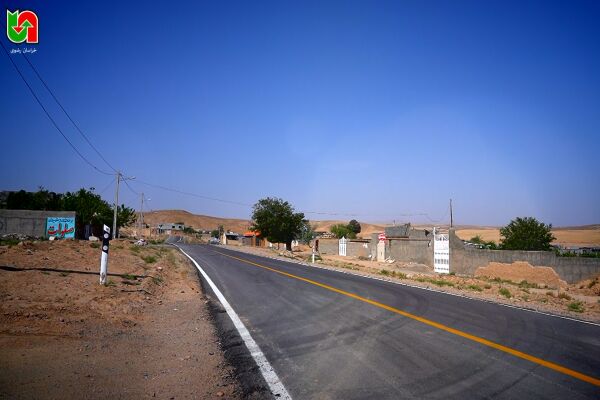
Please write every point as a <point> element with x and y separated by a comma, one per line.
<point>48,114</point>
<point>107,186</point>
<point>142,182</point>
<point>66,113</point>
<point>193,194</point>
<point>130,188</point>
<point>426,215</point>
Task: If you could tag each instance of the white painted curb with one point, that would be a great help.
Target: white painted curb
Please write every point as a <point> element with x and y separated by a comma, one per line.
<point>267,371</point>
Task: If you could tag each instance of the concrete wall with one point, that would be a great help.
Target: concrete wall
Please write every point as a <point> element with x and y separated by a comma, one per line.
<point>328,246</point>
<point>354,247</point>
<point>28,222</point>
<point>410,250</point>
<point>417,247</point>
<point>570,269</point>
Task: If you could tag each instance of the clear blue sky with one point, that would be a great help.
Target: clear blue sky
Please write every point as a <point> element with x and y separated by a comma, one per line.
<point>371,108</point>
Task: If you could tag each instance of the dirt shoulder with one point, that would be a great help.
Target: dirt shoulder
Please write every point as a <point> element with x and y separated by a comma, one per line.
<point>64,336</point>
<point>504,284</point>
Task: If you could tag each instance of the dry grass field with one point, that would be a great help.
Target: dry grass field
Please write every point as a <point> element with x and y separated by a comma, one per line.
<point>571,236</point>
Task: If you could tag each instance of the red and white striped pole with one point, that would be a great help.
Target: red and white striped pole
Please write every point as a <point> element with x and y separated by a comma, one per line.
<point>104,258</point>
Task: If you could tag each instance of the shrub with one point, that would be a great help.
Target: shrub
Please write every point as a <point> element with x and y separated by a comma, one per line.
<point>475,287</point>
<point>576,306</point>
<point>525,284</point>
<point>563,295</point>
<point>505,292</point>
<point>441,283</point>
<point>149,259</point>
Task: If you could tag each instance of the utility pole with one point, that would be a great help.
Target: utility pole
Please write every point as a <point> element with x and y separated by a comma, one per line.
<point>142,216</point>
<point>451,217</point>
<point>116,206</point>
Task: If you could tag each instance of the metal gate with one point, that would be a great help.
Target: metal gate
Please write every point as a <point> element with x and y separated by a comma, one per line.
<point>342,246</point>
<point>441,252</point>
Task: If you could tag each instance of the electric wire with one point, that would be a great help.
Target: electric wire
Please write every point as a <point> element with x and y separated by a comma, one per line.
<point>48,114</point>
<point>193,194</point>
<point>66,113</point>
<point>426,215</point>
<point>107,186</point>
<point>130,188</point>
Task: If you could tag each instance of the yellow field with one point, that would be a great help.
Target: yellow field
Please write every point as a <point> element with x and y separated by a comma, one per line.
<point>564,237</point>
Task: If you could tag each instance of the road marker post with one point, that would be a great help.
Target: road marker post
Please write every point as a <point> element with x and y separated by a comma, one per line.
<point>104,257</point>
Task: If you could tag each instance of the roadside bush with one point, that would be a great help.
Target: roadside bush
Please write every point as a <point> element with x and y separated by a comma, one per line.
<point>576,306</point>
<point>505,292</point>
<point>563,295</point>
<point>475,287</point>
<point>527,285</point>
<point>149,259</point>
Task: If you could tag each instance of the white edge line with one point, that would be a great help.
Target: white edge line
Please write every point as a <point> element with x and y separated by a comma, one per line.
<point>425,288</point>
<point>267,371</point>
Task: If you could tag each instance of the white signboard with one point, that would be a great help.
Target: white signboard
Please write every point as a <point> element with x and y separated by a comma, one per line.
<point>441,253</point>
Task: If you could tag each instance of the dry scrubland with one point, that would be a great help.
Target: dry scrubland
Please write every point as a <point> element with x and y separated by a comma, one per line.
<point>64,336</point>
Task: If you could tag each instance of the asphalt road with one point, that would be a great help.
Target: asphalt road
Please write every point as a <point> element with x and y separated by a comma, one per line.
<point>325,344</point>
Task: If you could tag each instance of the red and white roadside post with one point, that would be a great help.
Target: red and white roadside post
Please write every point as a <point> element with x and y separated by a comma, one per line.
<point>104,257</point>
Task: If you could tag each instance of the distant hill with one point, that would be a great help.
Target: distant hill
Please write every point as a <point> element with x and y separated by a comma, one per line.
<point>196,221</point>
<point>236,225</point>
<point>366,228</point>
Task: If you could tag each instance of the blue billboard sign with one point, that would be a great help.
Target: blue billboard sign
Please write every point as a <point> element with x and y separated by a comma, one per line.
<point>61,227</point>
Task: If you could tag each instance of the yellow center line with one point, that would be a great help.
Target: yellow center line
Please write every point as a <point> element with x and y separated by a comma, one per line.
<point>485,342</point>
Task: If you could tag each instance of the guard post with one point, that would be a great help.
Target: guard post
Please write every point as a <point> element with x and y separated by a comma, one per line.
<point>104,257</point>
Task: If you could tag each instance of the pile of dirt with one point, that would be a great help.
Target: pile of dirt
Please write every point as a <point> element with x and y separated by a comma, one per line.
<point>521,271</point>
<point>63,335</point>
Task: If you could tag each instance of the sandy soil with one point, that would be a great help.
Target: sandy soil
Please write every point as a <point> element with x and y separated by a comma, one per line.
<point>565,237</point>
<point>514,284</point>
<point>64,336</point>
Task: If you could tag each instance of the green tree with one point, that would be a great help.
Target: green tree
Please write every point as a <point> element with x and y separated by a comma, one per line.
<point>126,216</point>
<point>276,221</point>
<point>89,206</point>
<point>307,233</point>
<point>526,234</point>
<point>40,200</point>
<point>476,239</point>
<point>214,233</point>
<point>342,230</point>
<point>354,226</point>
